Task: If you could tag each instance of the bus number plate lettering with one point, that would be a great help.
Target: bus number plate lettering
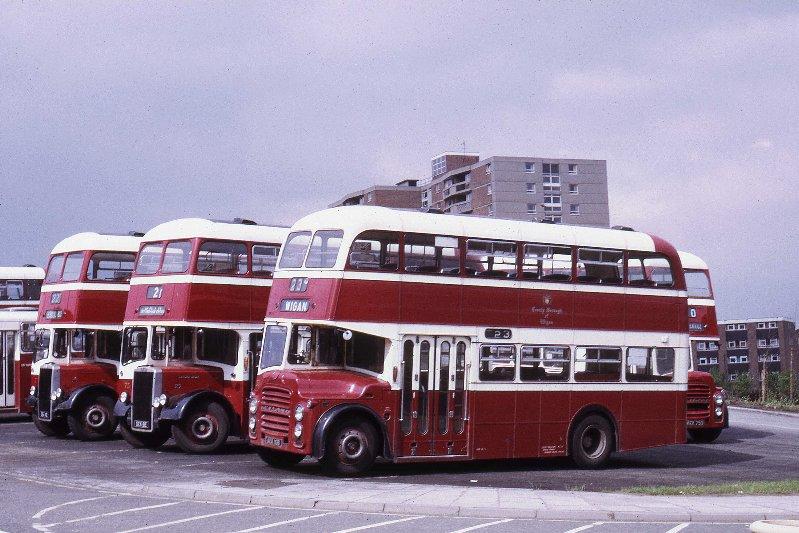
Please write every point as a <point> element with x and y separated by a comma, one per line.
<point>272,441</point>
<point>496,333</point>
<point>141,424</point>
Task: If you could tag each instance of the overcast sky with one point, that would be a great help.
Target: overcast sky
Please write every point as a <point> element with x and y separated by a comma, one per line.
<point>118,117</point>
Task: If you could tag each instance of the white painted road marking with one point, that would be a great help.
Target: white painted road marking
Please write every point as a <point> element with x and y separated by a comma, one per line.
<point>48,509</point>
<point>380,524</point>
<point>191,519</point>
<point>680,527</point>
<point>284,522</point>
<point>481,526</point>
<point>583,528</point>
<point>113,513</point>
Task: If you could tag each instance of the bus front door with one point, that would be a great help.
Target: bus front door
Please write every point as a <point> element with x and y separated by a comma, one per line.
<point>7,397</point>
<point>433,410</point>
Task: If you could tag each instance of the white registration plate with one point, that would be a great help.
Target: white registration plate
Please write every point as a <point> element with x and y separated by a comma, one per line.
<point>696,423</point>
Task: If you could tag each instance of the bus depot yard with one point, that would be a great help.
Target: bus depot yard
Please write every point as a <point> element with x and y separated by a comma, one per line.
<point>105,485</point>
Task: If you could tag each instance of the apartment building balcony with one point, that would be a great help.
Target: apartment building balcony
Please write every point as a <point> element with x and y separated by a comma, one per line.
<point>456,189</point>
<point>460,208</point>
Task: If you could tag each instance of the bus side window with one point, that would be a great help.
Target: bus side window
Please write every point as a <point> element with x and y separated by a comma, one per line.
<point>543,262</point>
<point>599,266</point>
<point>375,250</point>
<point>544,363</point>
<point>649,270</point>
<point>497,362</point>
<point>598,365</point>
<point>490,259</point>
<point>650,364</point>
<point>432,254</point>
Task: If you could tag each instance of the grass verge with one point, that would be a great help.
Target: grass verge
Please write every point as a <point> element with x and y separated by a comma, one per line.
<point>788,486</point>
<point>767,406</point>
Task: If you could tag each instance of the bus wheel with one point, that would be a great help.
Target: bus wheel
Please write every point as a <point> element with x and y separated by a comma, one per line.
<point>704,435</point>
<point>55,428</point>
<point>203,430</point>
<point>143,440</point>
<point>93,419</point>
<point>592,442</point>
<point>351,448</point>
<point>278,459</point>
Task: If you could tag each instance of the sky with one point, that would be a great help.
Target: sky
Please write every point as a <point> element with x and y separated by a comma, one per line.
<point>116,117</point>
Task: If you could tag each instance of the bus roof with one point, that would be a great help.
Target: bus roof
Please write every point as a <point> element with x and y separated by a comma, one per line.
<point>23,272</point>
<point>355,219</point>
<point>90,240</point>
<point>692,262</point>
<point>189,228</point>
<point>18,314</point>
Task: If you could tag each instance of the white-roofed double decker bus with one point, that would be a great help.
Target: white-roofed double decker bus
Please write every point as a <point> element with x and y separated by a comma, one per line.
<point>79,334</point>
<point>20,286</point>
<point>707,414</point>
<point>193,326</point>
<point>425,337</point>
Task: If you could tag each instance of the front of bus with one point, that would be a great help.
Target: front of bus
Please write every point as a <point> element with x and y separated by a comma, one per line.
<point>190,326</point>
<point>323,389</point>
<point>707,414</point>
<point>78,335</point>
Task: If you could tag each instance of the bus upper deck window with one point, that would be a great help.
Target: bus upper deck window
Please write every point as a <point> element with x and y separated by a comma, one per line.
<point>543,262</point>
<point>295,249</point>
<point>599,266</point>
<point>11,289</point>
<point>149,259</point>
<point>177,255</point>
<point>432,254</point>
<point>72,267</point>
<point>218,257</point>
<point>110,266</point>
<point>54,268</point>
<point>324,249</point>
<point>491,259</point>
<point>698,284</point>
<point>375,250</point>
<point>649,270</point>
<point>264,259</point>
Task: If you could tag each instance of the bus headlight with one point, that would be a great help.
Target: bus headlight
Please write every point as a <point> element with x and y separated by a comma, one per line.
<point>56,394</point>
<point>253,405</point>
<point>162,400</point>
<point>299,412</point>
<point>251,424</point>
<point>156,402</point>
<point>719,412</point>
<point>33,390</point>
<point>719,399</point>
<point>123,397</point>
<point>298,430</point>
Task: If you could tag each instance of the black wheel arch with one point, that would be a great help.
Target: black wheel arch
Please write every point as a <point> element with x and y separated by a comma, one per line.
<point>330,417</point>
<point>176,409</point>
<point>595,409</point>
<point>79,394</point>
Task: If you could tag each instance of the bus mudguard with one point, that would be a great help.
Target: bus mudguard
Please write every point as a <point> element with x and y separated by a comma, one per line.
<point>176,409</point>
<point>598,410</point>
<point>84,392</point>
<point>329,417</point>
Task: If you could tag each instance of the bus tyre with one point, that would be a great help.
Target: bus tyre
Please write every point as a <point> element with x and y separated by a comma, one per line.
<point>143,440</point>
<point>278,459</point>
<point>55,428</point>
<point>203,429</point>
<point>704,435</point>
<point>93,418</point>
<point>351,448</point>
<point>592,442</point>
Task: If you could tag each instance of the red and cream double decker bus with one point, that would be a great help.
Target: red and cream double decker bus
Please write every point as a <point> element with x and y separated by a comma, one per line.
<point>78,335</point>
<point>192,327</point>
<point>707,413</point>
<point>425,337</point>
<point>17,326</point>
<point>20,286</point>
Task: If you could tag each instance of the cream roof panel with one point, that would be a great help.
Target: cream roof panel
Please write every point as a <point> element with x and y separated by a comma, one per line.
<point>188,228</point>
<point>691,261</point>
<point>21,273</point>
<point>15,316</point>
<point>97,241</point>
<point>355,219</point>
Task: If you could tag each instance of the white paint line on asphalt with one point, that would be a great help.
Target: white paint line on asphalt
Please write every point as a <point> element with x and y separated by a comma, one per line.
<point>583,528</point>
<point>678,528</point>
<point>285,522</point>
<point>113,513</point>
<point>481,526</point>
<point>73,502</point>
<point>190,519</point>
<point>380,524</point>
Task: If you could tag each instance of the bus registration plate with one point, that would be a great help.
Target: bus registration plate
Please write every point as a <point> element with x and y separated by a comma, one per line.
<point>695,423</point>
<point>272,441</point>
